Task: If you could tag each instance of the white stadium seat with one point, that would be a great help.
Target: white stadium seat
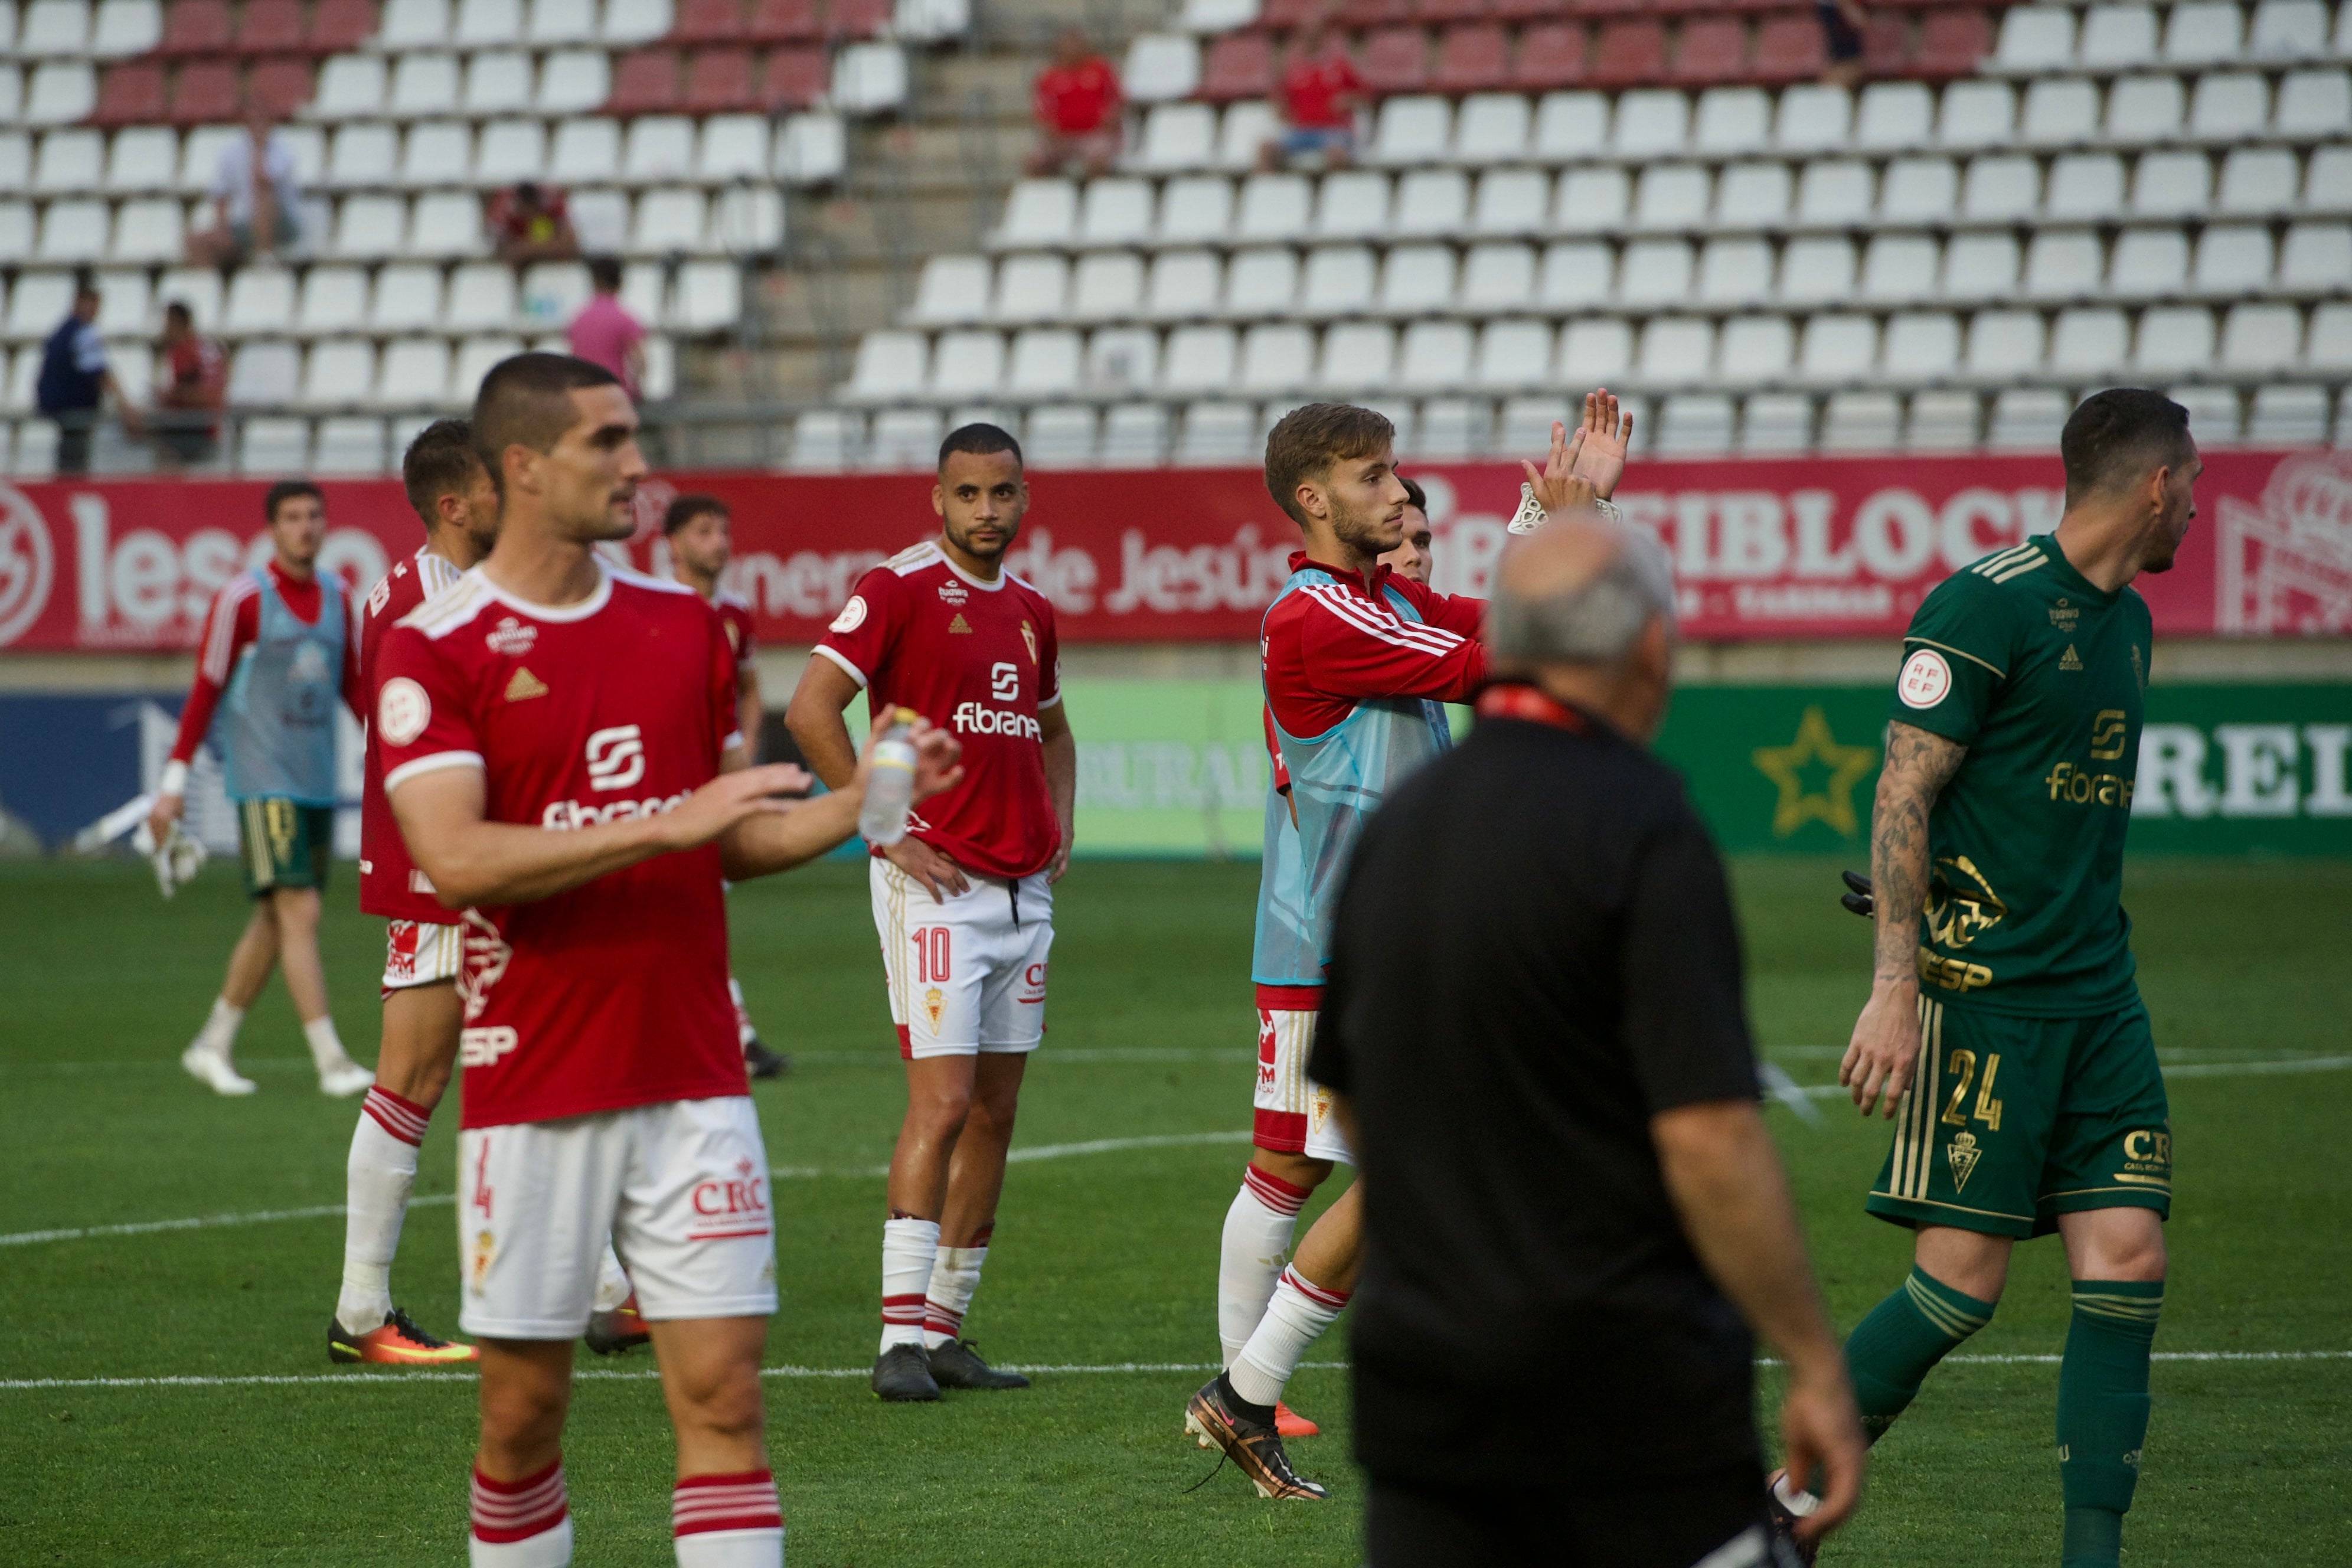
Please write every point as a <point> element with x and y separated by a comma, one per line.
<point>1195,208</point>
<point>1339,280</point>
<point>2036,38</point>
<point>2289,29</point>
<point>333,299</point>
<point>414,25</point>
<point>1695,422</point>
<point>423,84</point>
<point>2149,262</point>
<point>889,365</point>
<point>2288,416</point>
<point>2000,186</point>
<point>476,357</point>
<point>61,92</point>
<point>813,149</point>
<point>2117,36</point>
<point>74,231</point>
<point>1656,272</point>
<point>1919,190</point>
<point>2060,110</point>
<point>1160,68</point>
<point>263,373</point>
<point>1353,204</point>
<point>904,438</point>
<point>1039,213</point>
<point>1651,122</point>
<point>1044,363</point>
<point>1976,114</point>
<point>2203,33</point>
<point>148,229</point>
<point>38,304</point>
<point>635,21</point>
<point>68,160</point>
<point>1116,212</point>
<point>1511,201</point>
<point>15,230</point>
<point>1499,277</point>
<point>1177,136</point>
<point>561,22</point>
<point>363,155</point>
<point>1262,281</point>
<point>1675,351</point>
<point>1247,127</point>
<point>2316,256</point>
<point>350,87</point>
<point>2004,344</point>
<point>1134,434</point>
<point>868,78</point>
<point>54,27</point>
<point>1358,356</point>
<point>2091,343</point>
<point>1941,422</point>
<point>1576,274</point>
<point>1276,356</point>
<point>1892,115</point>
<point>1734,271</point>
<point>510,151</point>
<point>1122,360</point>
<point>1032,288</point>
<point>1732,119</point>
<point>339,372</point>
<point>2312,103</point>
<point>1838,348</point>
<point>574,81</point>
<point>497,82</point>
<point>1492,128</point>
<point>951,290</point>
<point>2229,106</point>
<point>660,149</point>
<point>1899,267</point>
<point>1591,199</point>
<point>1107,286</point>
<point>1417,279</point>
<point>1199,360</point>
<point>2328,346</point>
<point>1835,192</point>
<point>2172,183</point>
<point>1413,128</point>
<point>275,445</point>
<point>1217,432</point>
<point>1860,422</point>
<point>437,152</point>
<point>1755,194</point>
<point>1431,202</point>
<point>2258,180</point>
<point>1060,434</point>
<point>486,24</point>
<point>710,296</point>
<point>1922,345</point>
<point>2146,108</point>
<point>1756,349</point>
<point>1436,355</point>
<point>1183,283</point>
<point>407,298</point>
<point>1813,119</point>
<point>1595,351</point>
<point>415,372</point>
<point>126,309</point>
<point>2084,185</point>
<point>1981,267</point>
<point>2174,338</point>
<point>2233,259</point>
<point>142,158</point>
<point>1274,207</point>
<point>2261,337</point>
<point>1571,126</point>
<point>349,445</point>
<point>1673,195</point>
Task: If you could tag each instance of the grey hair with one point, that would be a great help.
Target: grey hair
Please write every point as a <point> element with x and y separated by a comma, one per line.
<point>1600,621</point>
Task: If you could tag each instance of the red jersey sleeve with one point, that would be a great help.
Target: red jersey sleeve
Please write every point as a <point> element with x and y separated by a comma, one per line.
<point>1273,755</point>
<point>233,621</point>
<point>355,691</point>
<point>862,636</point>
<point>1457,613</point>
<point>1049,655</point>
<point>1355,649</point>
<point>423,714</point>
<point>726,717</point>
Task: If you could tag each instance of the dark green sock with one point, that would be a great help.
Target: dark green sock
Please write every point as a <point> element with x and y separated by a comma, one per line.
<point>2102,1412</point>
<point>1891,1351</point>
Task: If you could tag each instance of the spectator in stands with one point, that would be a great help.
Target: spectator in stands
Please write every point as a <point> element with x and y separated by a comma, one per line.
<point>1076,104</point>
<point>1317,102</point>
<point>530,222</point>
<point>191,389</point>
<point>256,196</point>
<point>604,333</point>
<point>75,380</point>
<point>1842,22</point>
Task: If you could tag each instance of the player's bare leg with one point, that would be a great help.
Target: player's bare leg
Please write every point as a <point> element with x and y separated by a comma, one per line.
<point>521,1516</point>
<point>1259,1227</point>
<point>724,1509</point>
<point>967,1220</point>
<point>296,912</point>
<point>207,1058</point>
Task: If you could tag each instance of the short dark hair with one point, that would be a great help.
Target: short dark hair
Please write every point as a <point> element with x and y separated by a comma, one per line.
<point>526,401</point>
<point>181,309</point>
<point>686,508</point>
<point>1414,496</point>
<point>980,441</point>
<point>605,272</point>
<point>84,282</point>
<point>441,461</point>
<point>1308,439</point>
<point>2115,437</point>
<point>285,491</point>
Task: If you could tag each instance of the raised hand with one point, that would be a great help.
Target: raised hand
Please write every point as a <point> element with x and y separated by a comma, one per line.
<point>1606,430</point>
<point>1556,485</point>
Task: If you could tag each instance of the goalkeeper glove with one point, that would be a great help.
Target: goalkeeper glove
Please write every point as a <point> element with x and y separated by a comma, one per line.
<point>1859,897</point>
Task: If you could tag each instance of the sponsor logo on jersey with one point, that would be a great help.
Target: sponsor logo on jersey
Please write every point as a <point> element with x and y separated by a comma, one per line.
<point>2107,727</point>
<point>402,710</point>
<point>1951,973</point>
<point>1962,905</point>
<point>510,636</point>
<point>2064,615</point>
<point>487,957</point>
<point>482,1048</point>
<point>978,719</point>
<point>525,686</point>
<point>2079,786</point>
<point>852,616</point>
<point>1925,679</point>
<point>954,592</point>
<point>616,757</point>
<point>565,815</point>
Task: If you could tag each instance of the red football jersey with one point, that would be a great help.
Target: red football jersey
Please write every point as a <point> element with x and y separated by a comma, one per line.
<point>978,659</point>
<point>735,616</point>
<point>615,993</point>
<point>390,884</point>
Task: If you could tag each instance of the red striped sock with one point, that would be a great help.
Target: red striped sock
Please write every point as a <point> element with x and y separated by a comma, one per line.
<point>507,1512</point>
<point>404,1119</point>
<point>728,1522</point>
<point>1273,1191</point>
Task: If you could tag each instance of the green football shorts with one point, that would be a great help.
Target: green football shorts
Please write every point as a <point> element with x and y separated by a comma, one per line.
<point>2012,1122</point>
<point>284,844</point>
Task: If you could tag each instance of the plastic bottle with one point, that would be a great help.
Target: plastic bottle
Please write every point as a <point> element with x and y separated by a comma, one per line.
<point>889,784</point>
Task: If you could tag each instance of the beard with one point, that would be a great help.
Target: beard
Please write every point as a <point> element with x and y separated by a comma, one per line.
<point>1368,530</point>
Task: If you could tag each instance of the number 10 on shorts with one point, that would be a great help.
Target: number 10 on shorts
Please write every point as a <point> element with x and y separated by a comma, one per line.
<point>931,954</point>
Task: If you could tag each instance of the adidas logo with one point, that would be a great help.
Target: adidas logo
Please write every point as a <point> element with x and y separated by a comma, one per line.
<point>2070,659</point>
<point>525,686</point>
<point>959,623</point>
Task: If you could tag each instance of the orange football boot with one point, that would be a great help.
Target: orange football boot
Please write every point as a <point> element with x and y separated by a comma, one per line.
<point>618,1331</point>
<point>395,1342</point>
<point>1289,1423</point>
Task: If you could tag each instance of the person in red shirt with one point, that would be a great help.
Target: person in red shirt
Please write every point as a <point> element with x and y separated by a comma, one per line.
<point>562,756</point>
<point>699,531</point>
<point>1317,100</point>
<point>531,222</point>
<point>190,391</point>
<point>964,902</point>
<point>1076,104</point>
<point>275,655</point>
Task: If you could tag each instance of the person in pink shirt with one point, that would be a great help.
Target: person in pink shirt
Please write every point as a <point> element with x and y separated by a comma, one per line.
<point>604,333</point>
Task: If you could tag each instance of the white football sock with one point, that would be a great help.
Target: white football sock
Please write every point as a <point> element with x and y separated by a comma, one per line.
<point>1295,1320</point>
<point>219,1032</point>
<point>528,1522</point>
<point>908,1249</point>
<point>744,1032</point>
<point>954,1276</point>
<point>1258,1228</point>
<point>728,1522</point>
<point>377,1179</point>
<point>326,1050</point>
<point>613,1286</point>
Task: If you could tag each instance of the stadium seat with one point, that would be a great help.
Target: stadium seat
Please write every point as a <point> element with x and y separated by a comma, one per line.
<point>1451,426</point>
<point>1835,192</point>
<point>556,22</point>
<point>2229,106</point>
<point>1239,65</point>
<point>710,296</point>
<point>2001,187</point>
<point>131,93</point>
<point>2171,183</point>
<point>1038,214</point>
<point>795,79</point>
<point>52,28</point>
<point>1472,59</point>
<point>263,373</point>
<point>338,372</point>
<point>587,151</point>
<point>1032,288</point>
<point>476,357</point>
<point>1277,207</point>
<point>2261,338</point>
<point>2312,103</point>
<point>1576,274</point>
<point>1695,423</point>
<point>1107,286</point>
<point>668,220</point>
<point>1625,52</point>
<point>2004,345</point>
<point>951,290</point>
<point>1511,201</point>
<point>707,22</point>
<point>2085,185</point>
<point>199,288</point>
<point>2036,38</point>
<point>574,81</point>
<point>1675,351</point>
<point>1592,351</point>
<point>349,445</point>
<point>1412,130</point>
<point>148,230</point>
<point>1512,353</point>
<point>74,231</point>
<point>283,86</point>
<point>497,82</point>
<point>68,160</point>
<point>1115,212</point>
<point>2027,420</point>
<point>1919,190</point>
<point>413,372</point>
<point>449,223</point>
<point>2147,108</point>
<point>2064,264</point>
<point>1060,434</point>
<point>1591,199</point>
<point>1571,126</point>
<point>824,440</point>
<point>333,299</point>
<point>15,230</point>
<point>1122,360</point>
<point>337,25</point>
<point>197,27</point>
<point>2173,339</point>
<point>1755,194</point>
<point>1247,127</point>
<point>1217,432</point>
<point>407,298</point>
<point>868,78</point>
<point>2316,257</point>
<point>1673,195</point>
<point>1651,122</point>
<point>1732,119</point>
<point>1813,119</point>
<point>350,87</point>
<point>363,155</point>
<point>784,22</point>
<point>659,148</point>
<point>1894,115</point>
<point>2288,416</point>
<point>2060,110</point>
<point>1941,422</point>
<point>645,83</point>
<point>414,25</point>
<point>903,439</point>
<point>1981,267</point>
<point>437,151</point>
<point>1358,357</point>
<point>1044,363</point>
<point>1492,128</point>
<point>2327,183</point>
<point>142,159</point>
<point>2214,412</point>
<point>1160,68</point>
<point>1395,60</point>
<point>1498,278</point>
<point>2232,260</point>
<point>488,24</point>
<point>1817,271</point>
<point>273,446</point>
<point>2328,346</point>
<point>1134,434</point>
<point>1276,356</point>
<point>1431,202</point>
<point>2289,29</point>
<point>1900,266</point>
<point>1775,422</point>
<point>1199,360</point>
<point>203,90</point>
<point>1860,422</point>
<point>1756,349</point>
<point>731,147</point>
<point>1787,49</point>
<point>2115,36</point>
<point>510,150</point>
<point>1183,283</point>
<point>1734,271</point>
<point>38,304</point>
<point>889,365</point>
<point>2258,180</point>
<point>1338,281</point>
<point>1177,136</point>
<point>2149,262</point>
<point>1710,50</point>
<point>813,149</point>
<point>1976,114</point>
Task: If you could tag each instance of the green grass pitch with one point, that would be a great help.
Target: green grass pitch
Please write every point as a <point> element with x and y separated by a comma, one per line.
<point>1102,1258</point>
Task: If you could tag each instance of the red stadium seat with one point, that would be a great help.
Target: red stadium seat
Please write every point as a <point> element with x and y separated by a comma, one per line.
<point>195,27</point>
<point>785,22</point>
<point>1951,43</point>
<point>645,83</point>
<point>1395,60</point>
<point>708,22</point>
<point>1472,57</point>
<point>720,82</point>
<point>284,84</point>
<point>337,25</point>
<point>1440,12</point>
<point>1711,50</point>
<point>1550,55</point>
<point>1288,15</point>
<point>131,93</point>
<point>858,18</point>
<point>270,28</point>
<point>1363,14</point>
<point>1789,49</point>
<point>1239,65</point>
<point>795,79</point>
<point>206,90</point>
<point>1603,10</point>
<point>1886,43</point>
<point>1627,54</point>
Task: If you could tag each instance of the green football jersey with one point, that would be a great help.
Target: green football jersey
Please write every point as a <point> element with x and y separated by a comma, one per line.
<point>2040,675</point>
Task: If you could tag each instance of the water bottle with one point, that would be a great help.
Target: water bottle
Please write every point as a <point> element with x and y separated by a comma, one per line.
<point>889,784</point>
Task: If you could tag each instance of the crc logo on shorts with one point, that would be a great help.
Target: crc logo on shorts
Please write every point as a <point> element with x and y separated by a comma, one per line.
<point>852,616</point>
<point>616,757</point>
<point>402,711</point>
<point>483,1047</point>
<point>737,1197</point>
<point>510,636</point>
<point>1925,679</point>
<point>1033,986</point>
<point>400,951</point>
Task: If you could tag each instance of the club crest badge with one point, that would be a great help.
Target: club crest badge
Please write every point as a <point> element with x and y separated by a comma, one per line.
<point>1029,639</point>
<point>935,1004</point>
<point>1963,1153</point>
<point>486,1248</point>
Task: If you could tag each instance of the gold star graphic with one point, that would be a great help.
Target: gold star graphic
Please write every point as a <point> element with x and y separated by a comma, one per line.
<point>1833,801</point>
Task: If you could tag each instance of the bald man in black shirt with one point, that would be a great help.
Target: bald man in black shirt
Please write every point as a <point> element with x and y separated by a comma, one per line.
<point>1534,1024</point>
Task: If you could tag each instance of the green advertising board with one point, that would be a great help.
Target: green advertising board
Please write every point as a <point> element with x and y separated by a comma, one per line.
<point>1178,767</point>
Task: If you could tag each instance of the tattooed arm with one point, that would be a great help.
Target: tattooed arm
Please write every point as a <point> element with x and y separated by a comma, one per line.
<point>1886,1041</point>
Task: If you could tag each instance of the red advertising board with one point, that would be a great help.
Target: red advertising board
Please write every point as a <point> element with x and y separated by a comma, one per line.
<point>1817,547</point>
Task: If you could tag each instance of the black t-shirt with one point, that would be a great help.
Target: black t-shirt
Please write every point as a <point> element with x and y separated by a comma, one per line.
<point>1534,954</point>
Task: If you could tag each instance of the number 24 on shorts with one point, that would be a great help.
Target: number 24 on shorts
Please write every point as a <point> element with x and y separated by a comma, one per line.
<point>1963,1067</point>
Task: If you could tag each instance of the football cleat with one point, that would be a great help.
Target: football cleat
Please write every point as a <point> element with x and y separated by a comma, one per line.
<point>1254,1447</point>
<point>902,1375</point>
<point>764,1062</point>
<point>618,1331</point>
<point>396,1342</point>
<point>1784,1505</point>
<point>343,1079</point>
<point>1289,1423</point>
<point>956,1365</point>
<point>211,1069</point>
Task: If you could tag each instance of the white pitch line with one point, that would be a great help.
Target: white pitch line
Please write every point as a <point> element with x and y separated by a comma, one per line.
<point>1106,1369</point>
<point>787,1173</point>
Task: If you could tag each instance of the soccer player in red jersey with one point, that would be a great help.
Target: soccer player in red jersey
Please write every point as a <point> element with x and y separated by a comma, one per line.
<point>964,903</point>
<point>699,531</point>
<point>561,754</point>
<point>276,654</point>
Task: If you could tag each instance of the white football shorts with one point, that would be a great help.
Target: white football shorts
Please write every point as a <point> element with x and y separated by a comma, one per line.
<point>1292,1113</point>
<point>968,974</point>
<point>419,953</point>
<point>681,1187</point>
